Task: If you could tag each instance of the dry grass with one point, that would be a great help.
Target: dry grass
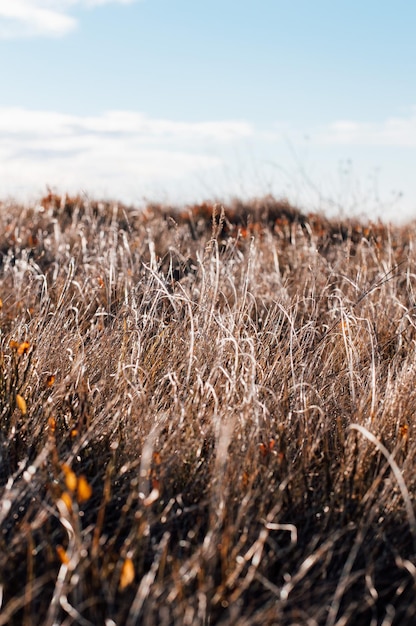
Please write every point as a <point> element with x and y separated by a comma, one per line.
<point>205,418</point>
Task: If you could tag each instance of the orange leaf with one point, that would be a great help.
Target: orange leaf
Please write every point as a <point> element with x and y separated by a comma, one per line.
<point>23,348</point>
<point>67,500</point>
<point>52,424</point>
<point>50,380</point>
<point>84,491</point>
<point>157,459</point>
<point>263,449</point>
<point>127,574</point>
<point>21,404</point>
<point>70,477</point>
<point>62,555</point>
<point>404,431</point>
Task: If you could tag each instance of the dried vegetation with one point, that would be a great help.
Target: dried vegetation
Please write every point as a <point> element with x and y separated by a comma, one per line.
<point>206,416</point>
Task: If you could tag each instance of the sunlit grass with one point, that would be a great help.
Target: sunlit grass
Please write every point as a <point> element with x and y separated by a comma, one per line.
<point>206,416</point>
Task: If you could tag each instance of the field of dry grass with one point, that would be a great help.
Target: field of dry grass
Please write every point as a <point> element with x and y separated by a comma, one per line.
<point>206,417</point>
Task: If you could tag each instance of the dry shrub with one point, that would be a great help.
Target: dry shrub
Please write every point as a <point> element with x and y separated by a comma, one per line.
<point>206,416</point>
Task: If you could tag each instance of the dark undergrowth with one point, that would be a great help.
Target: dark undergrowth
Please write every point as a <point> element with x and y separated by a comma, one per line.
<point>206,416</point>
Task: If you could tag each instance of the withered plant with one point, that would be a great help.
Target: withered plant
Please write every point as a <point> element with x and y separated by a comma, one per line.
<point>206,416</point>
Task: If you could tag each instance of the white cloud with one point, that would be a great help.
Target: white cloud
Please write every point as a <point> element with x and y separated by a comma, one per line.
<point>117,153</point>
<point>20,18</point>
<point>113,124</point>
<point>127,155</point>
<point>51,18</point>
<point>395,131</point>
<point>95,3</point>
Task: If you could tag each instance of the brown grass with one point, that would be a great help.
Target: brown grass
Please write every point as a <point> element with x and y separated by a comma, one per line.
<point>206,416</point>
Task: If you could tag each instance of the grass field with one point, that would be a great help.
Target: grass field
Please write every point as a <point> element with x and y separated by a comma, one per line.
<point>206,416</point>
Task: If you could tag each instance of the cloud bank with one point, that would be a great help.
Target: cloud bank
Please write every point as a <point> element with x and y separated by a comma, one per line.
<point>123,154</point>
<point>128,156</point>
<point>47,18</point>
<point>394,131</point>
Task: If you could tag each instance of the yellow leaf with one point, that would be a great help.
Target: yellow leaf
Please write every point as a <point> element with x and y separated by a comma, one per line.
<point>84,490</point>
<point>127,574</point>
<point>21,404</point>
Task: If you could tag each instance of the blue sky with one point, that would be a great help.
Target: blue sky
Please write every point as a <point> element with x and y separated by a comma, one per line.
<point>180,100</point>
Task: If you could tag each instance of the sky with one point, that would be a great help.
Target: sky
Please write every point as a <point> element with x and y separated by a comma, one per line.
<point>188,100</point>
